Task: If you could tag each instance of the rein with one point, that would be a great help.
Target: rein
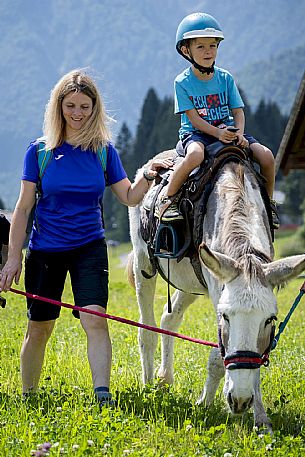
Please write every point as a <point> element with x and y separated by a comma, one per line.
<point>283,324</point>
<point>114,318</point>
<point>234,361</point>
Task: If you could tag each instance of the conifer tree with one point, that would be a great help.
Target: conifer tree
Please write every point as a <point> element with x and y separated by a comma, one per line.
<point>164,134</point>
<point>116,214</point>
<point>145,126</point>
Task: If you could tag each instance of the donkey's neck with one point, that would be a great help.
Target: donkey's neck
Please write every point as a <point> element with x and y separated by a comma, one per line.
<point>241,219</point>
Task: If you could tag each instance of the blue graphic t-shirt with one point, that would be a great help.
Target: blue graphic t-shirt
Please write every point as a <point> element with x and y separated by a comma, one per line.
<point>213,99</point>
<point>68,214</point>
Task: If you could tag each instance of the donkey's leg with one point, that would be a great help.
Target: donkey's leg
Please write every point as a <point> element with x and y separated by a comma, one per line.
<point>261,420</point>
<point>216,371</point>
<point>145,289</point>
<point>171,321</point>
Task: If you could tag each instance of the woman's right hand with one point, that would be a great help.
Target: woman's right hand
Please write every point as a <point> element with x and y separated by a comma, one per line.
<point>10,272</point>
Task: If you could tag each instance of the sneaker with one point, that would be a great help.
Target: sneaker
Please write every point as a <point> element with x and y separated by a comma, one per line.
<point>275,215</point>
<point>104,399</point>
<point>167,211</point>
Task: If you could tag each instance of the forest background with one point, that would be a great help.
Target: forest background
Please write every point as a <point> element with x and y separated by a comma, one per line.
<point>130,49</point>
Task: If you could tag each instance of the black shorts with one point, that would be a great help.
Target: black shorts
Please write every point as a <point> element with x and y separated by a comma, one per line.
<point>203,138</point>
<point>46,272</point>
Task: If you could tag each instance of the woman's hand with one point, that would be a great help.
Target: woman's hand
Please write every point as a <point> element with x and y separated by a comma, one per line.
<point>157,164</point>
<point>11,271</point>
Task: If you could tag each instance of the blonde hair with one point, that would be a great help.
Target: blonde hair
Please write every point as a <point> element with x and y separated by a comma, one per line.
<point>95,132</point>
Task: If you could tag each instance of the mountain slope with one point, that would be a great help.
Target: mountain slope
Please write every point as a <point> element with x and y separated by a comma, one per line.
<point>130,46</point>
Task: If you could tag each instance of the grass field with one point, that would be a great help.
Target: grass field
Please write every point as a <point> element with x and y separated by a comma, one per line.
<point>148,421</point>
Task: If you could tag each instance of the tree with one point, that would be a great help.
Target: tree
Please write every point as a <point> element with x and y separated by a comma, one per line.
<point>268,125</point>
<point>164,134</point>
<point>145,126</point>
<point>125,146</point>
<point>116,214</point>
<point>292,186</point>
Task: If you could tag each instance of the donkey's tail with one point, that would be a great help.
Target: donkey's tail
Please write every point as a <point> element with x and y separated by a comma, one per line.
<point>129,270</point>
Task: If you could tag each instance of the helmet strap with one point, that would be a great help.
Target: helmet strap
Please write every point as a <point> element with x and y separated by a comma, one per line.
<point>203,70</point>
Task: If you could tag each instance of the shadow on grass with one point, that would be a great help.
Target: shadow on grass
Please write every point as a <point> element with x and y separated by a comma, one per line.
<point>162,403</point>
<point>287,421</point>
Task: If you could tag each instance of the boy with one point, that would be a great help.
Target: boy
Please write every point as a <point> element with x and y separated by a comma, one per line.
<point>210,106</point>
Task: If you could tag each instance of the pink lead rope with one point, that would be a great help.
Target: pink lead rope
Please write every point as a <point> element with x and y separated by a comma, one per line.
<point>115,318</point>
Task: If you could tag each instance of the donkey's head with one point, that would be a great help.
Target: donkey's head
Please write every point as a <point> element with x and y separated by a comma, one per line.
<point>246,317</point>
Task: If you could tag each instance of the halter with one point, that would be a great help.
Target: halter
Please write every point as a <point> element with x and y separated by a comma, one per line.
<point>245,359</point>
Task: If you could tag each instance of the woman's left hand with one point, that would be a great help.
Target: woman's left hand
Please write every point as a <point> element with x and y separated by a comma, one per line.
<point>157,164</point>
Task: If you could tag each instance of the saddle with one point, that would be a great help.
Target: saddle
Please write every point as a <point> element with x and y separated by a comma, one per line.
<point>181,239</point>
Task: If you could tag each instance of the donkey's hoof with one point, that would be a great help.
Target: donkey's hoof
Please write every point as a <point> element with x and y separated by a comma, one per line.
<point>263,428</point>
<point>162,383</point>
<point>165,378</point>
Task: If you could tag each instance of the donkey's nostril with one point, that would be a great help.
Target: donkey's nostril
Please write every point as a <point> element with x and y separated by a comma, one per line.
<point>239,405</point>
<point>230,399</point>
<point>251,401</point>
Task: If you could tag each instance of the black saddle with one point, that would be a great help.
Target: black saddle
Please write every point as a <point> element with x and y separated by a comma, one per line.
<point>182,238</point>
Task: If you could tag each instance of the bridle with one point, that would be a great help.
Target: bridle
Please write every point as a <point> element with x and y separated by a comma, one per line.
<point>246,359</point>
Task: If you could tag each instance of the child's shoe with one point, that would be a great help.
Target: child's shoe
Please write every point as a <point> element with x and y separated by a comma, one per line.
<point>167,211</point>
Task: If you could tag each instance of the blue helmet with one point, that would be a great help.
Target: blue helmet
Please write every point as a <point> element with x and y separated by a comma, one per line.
<point>197,25</point>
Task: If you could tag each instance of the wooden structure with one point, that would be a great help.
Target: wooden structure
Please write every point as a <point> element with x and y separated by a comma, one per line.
<point>291,153</point>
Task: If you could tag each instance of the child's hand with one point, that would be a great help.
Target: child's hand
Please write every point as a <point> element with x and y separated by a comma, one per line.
<point>226,136</point>
<point>242,141</point>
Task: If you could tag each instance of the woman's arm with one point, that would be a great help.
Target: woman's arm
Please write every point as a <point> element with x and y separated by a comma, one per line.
<point>130,194</point>
<point>13,266</point>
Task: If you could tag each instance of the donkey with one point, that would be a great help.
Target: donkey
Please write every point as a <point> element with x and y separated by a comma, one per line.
<point>236,259</point>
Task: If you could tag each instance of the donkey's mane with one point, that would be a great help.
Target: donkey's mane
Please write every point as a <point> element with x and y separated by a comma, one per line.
<point>236,235</point>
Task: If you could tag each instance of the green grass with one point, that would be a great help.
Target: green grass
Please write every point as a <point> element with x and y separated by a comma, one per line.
<point>148,421</point>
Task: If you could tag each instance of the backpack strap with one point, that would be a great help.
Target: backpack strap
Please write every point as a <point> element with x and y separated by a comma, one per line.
<point>44,157</point>
<point>102,155</point>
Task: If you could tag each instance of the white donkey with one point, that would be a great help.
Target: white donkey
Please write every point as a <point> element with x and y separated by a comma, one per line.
<point>236,255</point>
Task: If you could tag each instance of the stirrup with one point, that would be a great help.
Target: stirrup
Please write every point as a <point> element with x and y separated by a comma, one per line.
<point>169,241</point>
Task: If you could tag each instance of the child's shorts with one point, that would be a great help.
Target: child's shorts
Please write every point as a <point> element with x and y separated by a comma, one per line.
<point>46,272</point>
<point>203,138</point>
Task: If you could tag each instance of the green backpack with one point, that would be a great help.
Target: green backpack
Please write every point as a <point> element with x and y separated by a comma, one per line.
<point>44,157</point>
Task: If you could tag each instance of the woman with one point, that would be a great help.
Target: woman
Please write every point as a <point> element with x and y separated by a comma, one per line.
<point>67,233</point>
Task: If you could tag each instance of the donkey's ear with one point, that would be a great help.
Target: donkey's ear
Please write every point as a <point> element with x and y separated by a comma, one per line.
<point>224,268</point>
<point>282,271</point>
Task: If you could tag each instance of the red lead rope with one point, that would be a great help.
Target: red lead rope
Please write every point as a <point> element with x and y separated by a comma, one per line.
<point>115,318</point>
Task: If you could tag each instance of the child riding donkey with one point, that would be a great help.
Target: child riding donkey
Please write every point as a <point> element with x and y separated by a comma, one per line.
<point>211,109</point>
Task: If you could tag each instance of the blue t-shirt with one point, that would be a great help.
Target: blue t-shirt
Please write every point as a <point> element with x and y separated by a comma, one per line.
<point>68,214</point>
<point>213,99</point>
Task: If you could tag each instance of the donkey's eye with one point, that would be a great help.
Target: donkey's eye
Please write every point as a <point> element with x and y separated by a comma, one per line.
<point>225,317</point>
<point>270,320</point>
